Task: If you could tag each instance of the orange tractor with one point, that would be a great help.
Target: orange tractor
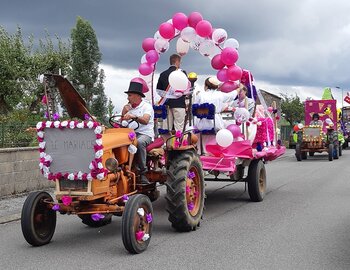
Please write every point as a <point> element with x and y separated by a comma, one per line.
<point>94,171</point>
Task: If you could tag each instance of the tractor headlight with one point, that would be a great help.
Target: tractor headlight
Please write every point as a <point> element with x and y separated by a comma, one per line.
<point>112,164</point>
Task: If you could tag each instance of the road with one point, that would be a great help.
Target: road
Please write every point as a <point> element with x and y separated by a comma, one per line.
<point>303,223</point>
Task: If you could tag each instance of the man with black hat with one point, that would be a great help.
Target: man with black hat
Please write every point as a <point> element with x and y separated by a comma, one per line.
<point>142,112</point>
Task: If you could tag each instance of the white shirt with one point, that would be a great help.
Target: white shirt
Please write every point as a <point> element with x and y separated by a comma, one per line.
<point>139,111</point>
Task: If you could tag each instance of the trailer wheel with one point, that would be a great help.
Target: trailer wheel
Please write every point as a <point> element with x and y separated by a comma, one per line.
<point>38,220</point>
<point>330,151</point>
<point>185,191</point>
<point>298,152</point>
<point>137,223</point>
<point>256,180</point>
<point>304,155</point>
<point>311,154</point>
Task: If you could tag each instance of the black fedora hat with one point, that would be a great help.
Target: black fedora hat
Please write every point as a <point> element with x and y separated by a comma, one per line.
<point>135,88</point>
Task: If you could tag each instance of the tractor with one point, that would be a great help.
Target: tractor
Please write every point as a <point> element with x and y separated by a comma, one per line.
<point>95,176</point>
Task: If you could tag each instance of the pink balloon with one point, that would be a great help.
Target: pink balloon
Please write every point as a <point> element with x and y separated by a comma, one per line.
<point>228,86</point>
<point>222,75</point>
<point>234,73</point>
<point>152,56</point>
<point>145,88</point>
<point>167,30</point>
<point>145,69</point>
<point>180,21</point>
<point>194,18</point>
<point>235,130</point>
<point>216,62</point>
<point>203,28</point>
<point>229,56</point>
<point>148,44</point>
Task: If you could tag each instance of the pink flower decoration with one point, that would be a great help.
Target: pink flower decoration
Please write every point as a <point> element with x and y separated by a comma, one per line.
<point>132,136</point>
<point>195,194</point>
<point>44,100</point>
<point>66,200</point>
<point>177,144</point>
<point>184,143</point>
<point>191,175</point>
<point>139,235</point>
<point>188,189</point>
<point>178,134</point>
<point>97,217</point>
<point>190,206</point>
<point>149,218</point>
<point>56,207</point>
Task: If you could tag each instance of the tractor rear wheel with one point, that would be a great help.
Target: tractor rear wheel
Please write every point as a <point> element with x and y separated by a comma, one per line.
<point>38,220</point>
<point>137,223</point>
<point>298,152</point>
<point>256,180</point>
<point>185,191</point>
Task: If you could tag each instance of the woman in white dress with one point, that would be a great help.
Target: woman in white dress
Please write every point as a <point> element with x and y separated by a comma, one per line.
<point>212,95</point>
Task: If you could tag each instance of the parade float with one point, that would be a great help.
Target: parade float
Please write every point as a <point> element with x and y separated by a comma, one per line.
<point>323,137</point>
<point>93,166</point>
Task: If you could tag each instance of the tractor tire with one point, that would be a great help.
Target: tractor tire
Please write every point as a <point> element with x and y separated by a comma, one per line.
<point>330,151</point>
<point>256,180</point>
<point>298,152</point>
<point>304,155</point>
<point>185,191</point>
<point>87,220</point>
<point>38,220</point>
<point>311,154</point>
<point>134,222</point>
<point>336,151</point>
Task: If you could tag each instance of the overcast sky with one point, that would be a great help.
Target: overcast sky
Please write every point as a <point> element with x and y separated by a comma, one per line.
<point>298,46</point>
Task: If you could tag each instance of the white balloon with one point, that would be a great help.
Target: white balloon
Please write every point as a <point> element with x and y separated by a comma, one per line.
<point>188,34</point>
<point>143,59</point>
<point>182,47</point>
<point>157,35</point>
<point>232,43</point>
<point>196,42</point>
<point>178,80</point>
<point>241,115</point>
<point>161,45</point>
<point>224,137</point>
<point>207,48</point>
<point>219,35</point>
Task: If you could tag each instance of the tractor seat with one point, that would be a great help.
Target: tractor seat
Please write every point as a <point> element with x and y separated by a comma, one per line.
<point>158,142</point>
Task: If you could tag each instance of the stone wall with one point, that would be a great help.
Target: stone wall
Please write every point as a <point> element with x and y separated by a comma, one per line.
<point>19,171</point>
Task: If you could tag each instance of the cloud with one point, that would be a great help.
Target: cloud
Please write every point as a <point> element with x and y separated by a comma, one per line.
<point>301,46</point>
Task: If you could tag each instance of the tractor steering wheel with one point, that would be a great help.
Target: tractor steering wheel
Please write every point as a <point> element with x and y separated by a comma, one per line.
<point>117,122</point>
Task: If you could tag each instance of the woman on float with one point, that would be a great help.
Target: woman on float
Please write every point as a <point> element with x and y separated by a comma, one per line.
<point>211,95</point>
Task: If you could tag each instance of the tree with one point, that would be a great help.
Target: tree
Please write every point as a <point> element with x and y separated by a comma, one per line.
<point>292,108</point>
<point>85,60</point>
<point>99,101</point>
<point>14,60</point>
<point>110,107</point>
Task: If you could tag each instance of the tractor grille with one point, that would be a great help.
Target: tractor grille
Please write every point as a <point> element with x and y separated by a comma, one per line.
<point>69,185</point>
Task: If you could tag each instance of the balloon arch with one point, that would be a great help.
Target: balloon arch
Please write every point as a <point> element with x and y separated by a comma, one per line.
<point>195,32</point>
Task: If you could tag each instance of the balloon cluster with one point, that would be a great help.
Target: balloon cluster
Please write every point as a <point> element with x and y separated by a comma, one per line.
<point>226,136</point>
<point>197,33</point>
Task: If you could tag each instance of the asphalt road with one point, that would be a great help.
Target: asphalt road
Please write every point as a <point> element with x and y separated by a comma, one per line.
<point>303,223</point>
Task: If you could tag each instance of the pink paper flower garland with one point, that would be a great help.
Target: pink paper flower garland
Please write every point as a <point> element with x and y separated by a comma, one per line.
<point>96,167</point>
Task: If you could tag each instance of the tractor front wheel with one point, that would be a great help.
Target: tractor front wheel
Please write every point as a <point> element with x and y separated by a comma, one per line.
<point>38,220</point>
<point>330,151</point>
<point>185,191</point>
<point>298,152</point>
<point>137,223</point>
